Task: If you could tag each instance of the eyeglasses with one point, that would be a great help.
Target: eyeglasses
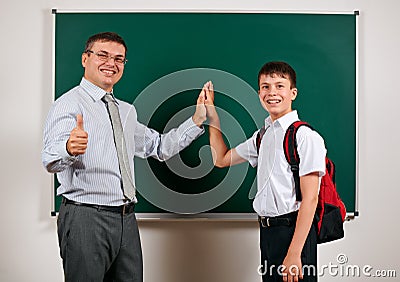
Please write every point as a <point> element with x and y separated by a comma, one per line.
<point>105,57</point>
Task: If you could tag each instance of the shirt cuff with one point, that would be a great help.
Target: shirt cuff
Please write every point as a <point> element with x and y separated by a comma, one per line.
<point>243,151</point>
<point>63,153</point>
<point>321,172</point>
<point>190,129</point>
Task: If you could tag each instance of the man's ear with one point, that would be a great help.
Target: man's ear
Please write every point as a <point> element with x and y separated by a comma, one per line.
<point>84,59</point>
<point>294,93</point>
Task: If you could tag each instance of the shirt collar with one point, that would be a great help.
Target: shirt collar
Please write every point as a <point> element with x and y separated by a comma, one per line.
<point>93,90</point>
<point>284,121</point>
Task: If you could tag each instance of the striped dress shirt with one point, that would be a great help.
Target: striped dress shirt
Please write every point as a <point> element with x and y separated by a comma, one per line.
<point>94,177</point>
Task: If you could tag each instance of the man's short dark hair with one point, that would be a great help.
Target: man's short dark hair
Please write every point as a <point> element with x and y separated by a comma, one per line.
<point>281,69</point>
<point>105,37</point>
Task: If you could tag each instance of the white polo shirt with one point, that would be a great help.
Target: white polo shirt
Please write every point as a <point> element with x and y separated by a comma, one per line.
<point>276,192</point>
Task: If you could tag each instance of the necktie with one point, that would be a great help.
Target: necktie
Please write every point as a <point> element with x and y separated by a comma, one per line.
<point>127,183</point>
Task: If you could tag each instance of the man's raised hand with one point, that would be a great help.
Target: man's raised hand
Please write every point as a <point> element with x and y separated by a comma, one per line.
<point>200,115</point>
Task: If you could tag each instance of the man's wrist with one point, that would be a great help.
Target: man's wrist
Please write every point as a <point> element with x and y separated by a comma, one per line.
<point>66,147</point>
<point>198,120</point>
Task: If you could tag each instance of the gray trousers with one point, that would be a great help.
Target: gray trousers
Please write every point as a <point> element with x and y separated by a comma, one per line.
<point>98,245</point>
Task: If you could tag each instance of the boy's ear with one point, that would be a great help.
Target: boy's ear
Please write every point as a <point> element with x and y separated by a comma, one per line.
<point>294,93</point>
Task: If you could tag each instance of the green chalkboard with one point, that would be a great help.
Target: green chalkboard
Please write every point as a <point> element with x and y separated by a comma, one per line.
<point>171,55</point>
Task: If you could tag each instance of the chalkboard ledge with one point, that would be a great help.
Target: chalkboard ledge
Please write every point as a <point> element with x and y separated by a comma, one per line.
<point>197,217</point>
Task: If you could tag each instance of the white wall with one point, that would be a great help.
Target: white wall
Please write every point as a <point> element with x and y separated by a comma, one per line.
<point>189,251</point>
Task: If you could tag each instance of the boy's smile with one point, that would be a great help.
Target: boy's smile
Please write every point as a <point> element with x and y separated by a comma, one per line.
<point>276,95</point>
<point>273,101</point>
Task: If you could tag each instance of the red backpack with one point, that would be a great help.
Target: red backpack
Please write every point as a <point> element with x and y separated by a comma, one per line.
<point>331,211</point>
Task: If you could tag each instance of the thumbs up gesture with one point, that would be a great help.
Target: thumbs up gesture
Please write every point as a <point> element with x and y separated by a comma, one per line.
<point>78,138</point>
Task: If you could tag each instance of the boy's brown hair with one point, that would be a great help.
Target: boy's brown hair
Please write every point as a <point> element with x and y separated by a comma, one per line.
<point>281,69</point>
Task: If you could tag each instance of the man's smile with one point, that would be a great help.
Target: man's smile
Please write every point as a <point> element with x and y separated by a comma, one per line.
<point>107,72</point>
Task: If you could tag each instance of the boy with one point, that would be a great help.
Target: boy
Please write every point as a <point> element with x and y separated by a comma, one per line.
<point>287,230</point>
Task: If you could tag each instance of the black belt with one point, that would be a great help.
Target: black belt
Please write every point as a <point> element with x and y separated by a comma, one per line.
<point>288,219</point>
<point>123,209</point>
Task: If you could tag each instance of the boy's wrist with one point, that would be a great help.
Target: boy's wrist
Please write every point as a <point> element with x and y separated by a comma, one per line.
<point>211,112</point>
<point>213,119</point>
<point>294,252</point>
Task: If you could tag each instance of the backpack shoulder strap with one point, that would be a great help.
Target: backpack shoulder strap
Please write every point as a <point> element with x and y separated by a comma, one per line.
<point>291,154</point>
<point>260,135</point>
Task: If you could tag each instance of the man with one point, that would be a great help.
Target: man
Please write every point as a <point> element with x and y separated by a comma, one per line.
<point>97,229</point>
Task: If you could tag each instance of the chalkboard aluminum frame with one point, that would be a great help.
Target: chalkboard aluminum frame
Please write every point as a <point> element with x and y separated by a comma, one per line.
<point>217,216</point>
